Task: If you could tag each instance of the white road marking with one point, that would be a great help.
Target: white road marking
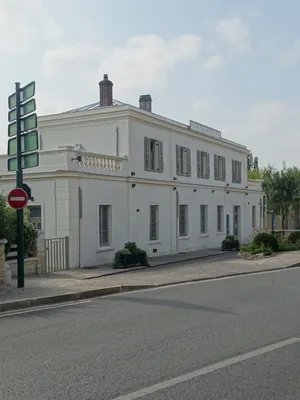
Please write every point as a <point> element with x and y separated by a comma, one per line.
<point>206,370</point>
<point>43,308</point>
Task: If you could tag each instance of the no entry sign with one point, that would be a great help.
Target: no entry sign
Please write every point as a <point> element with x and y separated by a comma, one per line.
<point>17,199</point>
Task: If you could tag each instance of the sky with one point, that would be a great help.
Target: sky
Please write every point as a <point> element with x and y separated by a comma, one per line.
<point>232,65</point>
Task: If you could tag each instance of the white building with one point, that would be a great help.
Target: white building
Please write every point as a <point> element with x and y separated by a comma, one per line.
<point>111,173</point>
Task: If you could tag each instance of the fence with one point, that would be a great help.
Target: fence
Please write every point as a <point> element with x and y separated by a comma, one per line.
<point>57,254</point>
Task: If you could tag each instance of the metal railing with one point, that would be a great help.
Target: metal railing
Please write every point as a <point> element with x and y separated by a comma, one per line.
<point>57,254</point>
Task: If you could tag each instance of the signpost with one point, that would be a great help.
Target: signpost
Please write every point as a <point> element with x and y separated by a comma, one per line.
<point>22,152</point>
<point>18,199</point>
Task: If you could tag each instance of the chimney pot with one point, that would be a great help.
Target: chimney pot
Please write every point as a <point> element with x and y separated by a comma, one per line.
<point>145,101</point>
<point>106,92</point>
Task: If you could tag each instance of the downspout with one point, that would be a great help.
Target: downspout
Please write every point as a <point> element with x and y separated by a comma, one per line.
<point>117,141</point>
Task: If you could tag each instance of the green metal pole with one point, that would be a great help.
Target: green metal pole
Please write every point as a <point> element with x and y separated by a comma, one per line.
<point>19,182</point>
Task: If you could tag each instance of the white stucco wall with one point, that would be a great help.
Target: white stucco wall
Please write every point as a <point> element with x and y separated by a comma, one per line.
<point>139,130</point>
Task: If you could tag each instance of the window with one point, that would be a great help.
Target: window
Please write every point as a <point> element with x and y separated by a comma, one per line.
<point>153,222</point>
<point>183,161</point>
<point>220,219</point>
<point>203,170</point>
<point>183,220</point>
<point>236,171</point>
<point>253,216</point>
<point>153,156</point>
<point>203,219</point>
<point>220,168</point>
<point>104,225</point>
<point>35,216</point>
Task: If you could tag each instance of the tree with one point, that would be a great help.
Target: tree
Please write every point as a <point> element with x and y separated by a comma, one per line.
<point>8,227</point>
<point>252,166</point>
<point>250,161</point>
<point>282,188</point>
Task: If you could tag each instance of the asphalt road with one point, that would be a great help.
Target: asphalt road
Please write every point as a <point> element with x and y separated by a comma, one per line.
<point>229,339</point>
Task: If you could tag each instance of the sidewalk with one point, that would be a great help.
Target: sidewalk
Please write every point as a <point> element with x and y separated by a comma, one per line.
<point>60,287</point>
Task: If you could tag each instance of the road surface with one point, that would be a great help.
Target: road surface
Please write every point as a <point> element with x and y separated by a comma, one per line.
<point>228,339</point>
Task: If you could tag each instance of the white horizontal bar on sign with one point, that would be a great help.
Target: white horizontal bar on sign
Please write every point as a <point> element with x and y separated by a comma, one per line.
<point>17,198</point>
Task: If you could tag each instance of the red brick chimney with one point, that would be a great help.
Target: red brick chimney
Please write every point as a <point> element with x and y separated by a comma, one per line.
<point>106,92</point>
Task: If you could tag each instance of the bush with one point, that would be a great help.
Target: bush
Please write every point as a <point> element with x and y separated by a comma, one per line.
<point>262,249</point>
<point>130,255</point>
<point>230,243</point>
<point>294,237</point>
<point>29,239</point>
<point>267,240</point>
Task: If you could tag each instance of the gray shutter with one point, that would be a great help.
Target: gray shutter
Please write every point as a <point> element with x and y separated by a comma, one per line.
<point>199,163</point>
<point>224,168</point>
<point>146,153</point>
<point>216,167</point>
<point>189,167</point>
<point>160,156</point>
<point>240,172</point>
<point>208,166</point>
<point>234,176</point>
<point>178,160</point>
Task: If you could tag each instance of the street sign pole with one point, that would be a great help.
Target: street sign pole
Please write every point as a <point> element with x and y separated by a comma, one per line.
<point>19,184</point>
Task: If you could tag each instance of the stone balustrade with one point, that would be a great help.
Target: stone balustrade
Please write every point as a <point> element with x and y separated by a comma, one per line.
<point>101,162</point>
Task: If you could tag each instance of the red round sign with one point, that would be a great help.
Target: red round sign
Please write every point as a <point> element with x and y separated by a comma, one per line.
<point>17,199</point>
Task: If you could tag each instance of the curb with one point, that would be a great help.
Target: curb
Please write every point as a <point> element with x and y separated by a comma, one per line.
<point>67,297</point>
<point>154,266</point>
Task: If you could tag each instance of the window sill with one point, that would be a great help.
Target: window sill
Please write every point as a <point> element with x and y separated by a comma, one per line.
<point>220,233</point>
<point>104,248</point>
<point>203,235</point>
<point>154,242</point>
<point>184,238</point>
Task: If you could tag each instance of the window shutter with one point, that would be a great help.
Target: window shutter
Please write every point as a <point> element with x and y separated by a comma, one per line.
<point>189,167</point>
<point>233,172</point>
<point>178,160</point>
<point>207,166</point>
<point>240,172</point>
<point>224,168</point>
<point>216,167</point>
<point>199,163</point>
<point>160,157</point>
<point>146,153</point>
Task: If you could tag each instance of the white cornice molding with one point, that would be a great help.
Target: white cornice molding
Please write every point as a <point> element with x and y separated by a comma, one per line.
<point>83,175</point>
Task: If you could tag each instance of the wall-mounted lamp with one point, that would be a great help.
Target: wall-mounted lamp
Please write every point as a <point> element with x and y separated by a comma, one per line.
<point>246,187</point>
<point>78,158</point>
<point>132,173</point>
<point>248,203</point>
<point>133,185</point>
<point>227,192</point>
<point>246,194</point>
<point>227,184</point>
<point>195,190</point>
<point>174,188</point>
<point>213,191</point>
<point>174,178</point>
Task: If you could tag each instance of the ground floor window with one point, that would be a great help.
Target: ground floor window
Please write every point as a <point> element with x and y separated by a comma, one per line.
<point>104,225</point>
<point>203,219</point>
<point>183,220</point>
<point>35,216</point>
<point>154,222</point>
<point>220,218</point>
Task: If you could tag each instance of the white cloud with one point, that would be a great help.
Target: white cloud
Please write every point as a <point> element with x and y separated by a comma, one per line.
<point>201,105</point>
<point>274,118</point>
<point>214,63</point>
<point>291,57</point>
<point>235,32</point>
<point>142,62</point>
<point>23,24</point>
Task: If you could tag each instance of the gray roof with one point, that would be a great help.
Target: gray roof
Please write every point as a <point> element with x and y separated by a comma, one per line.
<point>94,106</point>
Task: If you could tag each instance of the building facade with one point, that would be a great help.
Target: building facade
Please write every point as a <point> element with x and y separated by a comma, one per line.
<point>111,173</point>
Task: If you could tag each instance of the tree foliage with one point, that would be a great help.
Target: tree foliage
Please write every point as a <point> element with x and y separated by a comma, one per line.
<point>8,227</point>
<point>282,188</point>
<point>252,167</point>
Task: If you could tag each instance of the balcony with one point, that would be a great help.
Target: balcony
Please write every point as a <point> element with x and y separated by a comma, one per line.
<point>64,159</point>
